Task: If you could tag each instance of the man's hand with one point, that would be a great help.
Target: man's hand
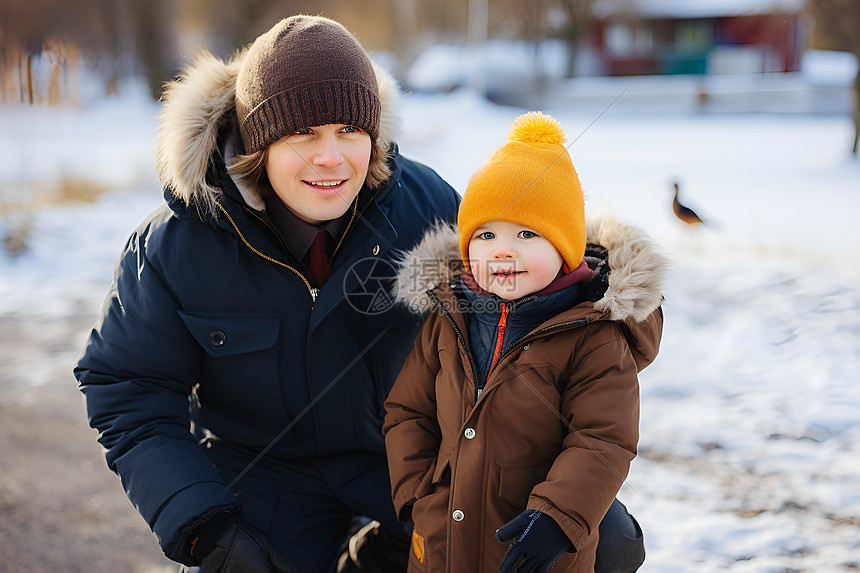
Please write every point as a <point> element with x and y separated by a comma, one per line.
<point>244,549</point>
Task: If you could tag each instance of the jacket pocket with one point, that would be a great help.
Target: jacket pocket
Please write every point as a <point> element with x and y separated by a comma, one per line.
<point>239,391</point>
<point>225,334</point>
<point>516,481</point>
<point>429,518</point>
<point>443,462</point>
<point>433,476</point>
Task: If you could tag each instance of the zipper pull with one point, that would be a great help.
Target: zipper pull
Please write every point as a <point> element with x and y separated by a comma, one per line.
<point>503,320</point>
<point>314,293</point>
<point>500,338</point>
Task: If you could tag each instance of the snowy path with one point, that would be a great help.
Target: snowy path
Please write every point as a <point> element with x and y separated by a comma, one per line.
<point>750,449</point>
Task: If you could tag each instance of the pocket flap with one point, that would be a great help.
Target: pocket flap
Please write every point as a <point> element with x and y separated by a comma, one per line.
<point>442,463</point>
<point>517,482</point>
<point>225,334</point>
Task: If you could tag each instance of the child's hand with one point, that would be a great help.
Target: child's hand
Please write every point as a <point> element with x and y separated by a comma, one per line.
<point>539,542</point>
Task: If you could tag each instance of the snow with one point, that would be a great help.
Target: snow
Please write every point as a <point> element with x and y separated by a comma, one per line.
<point>513,71</point>
<point>442,67</point>
<point>828,67</point>
<point>750,429</point>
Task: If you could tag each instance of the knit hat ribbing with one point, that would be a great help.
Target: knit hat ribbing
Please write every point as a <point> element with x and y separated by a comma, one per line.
<point>531,181</point>
<point>305,71</point>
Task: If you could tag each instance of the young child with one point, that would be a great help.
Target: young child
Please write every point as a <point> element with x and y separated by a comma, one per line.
<point>513,422</point>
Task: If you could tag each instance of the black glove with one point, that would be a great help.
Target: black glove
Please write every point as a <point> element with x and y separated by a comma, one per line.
<point>243,548</point>
<point>376,548</point>
<point>539,542</point>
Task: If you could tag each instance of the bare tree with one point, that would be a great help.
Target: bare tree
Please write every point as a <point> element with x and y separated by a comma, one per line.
<point>533,20</point>
<point>62,32</point>
<point>577,23</point>
<point>150,36</point>
<point>856,115</point>
<point>837,27</point>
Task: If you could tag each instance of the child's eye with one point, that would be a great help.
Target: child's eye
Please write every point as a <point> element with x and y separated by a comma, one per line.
<point>351,129</point>
<point>486,235</point>
<point>305,131</point>
<point>527,234</point>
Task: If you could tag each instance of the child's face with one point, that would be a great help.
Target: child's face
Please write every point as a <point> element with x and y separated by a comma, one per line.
<point>511,260</point>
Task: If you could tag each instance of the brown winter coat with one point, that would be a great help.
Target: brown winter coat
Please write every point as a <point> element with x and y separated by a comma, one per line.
<point>555,428</point>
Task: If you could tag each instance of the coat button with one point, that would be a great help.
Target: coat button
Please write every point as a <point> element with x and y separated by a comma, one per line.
<point>458,515</point>
<point>218,338</point>
<point>469,433</point>
<point>375,250</point>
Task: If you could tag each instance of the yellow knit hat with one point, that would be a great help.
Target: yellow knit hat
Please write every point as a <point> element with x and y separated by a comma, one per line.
<point>531,181</point>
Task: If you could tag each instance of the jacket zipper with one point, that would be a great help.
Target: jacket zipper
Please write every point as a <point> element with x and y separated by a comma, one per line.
<point>313,291</point>
<point>348,225</point>
<point>527,338</point>
<point>500,338</point>
<point>339,243</point>
<point>534,335</point>
<point>460,336</point>
<point>544,332</point>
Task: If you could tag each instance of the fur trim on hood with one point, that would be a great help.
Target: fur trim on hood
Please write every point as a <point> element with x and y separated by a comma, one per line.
<point>197,105</point>
<point>635,281</point>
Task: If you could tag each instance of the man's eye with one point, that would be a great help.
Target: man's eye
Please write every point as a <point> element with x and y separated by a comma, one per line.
<point>486,236</point>
<point>528,234</point>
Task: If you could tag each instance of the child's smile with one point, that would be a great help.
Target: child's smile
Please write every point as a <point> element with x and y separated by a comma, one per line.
<point>507,273</point>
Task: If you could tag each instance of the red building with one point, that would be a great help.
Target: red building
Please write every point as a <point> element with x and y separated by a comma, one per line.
<point>641,37</point>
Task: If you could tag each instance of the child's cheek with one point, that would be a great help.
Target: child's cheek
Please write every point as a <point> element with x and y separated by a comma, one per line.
<point>482,274</point>
<point>545,271</point>
<point>478,264</point>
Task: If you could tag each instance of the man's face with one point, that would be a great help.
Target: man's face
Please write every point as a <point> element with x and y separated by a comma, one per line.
<point>511,260</point>
<point>318,171</point>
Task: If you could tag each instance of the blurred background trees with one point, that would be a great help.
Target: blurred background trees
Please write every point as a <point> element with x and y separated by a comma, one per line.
<point>60,33</point>
<point>54,50</point>
<point>837,27</point>
<point>154,38</point>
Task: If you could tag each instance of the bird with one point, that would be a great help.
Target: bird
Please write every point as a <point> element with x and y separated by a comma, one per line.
<point>684,213</point>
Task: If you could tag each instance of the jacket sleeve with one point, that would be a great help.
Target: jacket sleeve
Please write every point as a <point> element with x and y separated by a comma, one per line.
<point>136,373</point>
<point>412,433</point>
<point>600,408</point>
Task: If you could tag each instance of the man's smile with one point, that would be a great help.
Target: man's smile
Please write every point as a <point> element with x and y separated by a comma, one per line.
<point>334,183</point>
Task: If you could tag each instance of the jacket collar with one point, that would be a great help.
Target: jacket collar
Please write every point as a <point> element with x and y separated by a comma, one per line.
<point>524,314</point>
<point>580,274</point>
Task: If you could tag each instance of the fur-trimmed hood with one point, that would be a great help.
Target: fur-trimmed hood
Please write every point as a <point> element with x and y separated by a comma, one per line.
<point>195,108</point>
<point>635,282</point>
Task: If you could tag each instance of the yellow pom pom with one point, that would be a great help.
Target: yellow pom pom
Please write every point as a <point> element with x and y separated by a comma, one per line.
<point>536,127</point>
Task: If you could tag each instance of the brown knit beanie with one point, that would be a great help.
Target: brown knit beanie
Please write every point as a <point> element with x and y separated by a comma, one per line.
<point>305,71</point>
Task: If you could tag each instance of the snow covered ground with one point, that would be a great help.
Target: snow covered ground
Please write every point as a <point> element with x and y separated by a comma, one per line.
<point>750,433</point>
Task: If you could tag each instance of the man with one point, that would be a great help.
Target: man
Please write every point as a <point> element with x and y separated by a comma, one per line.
<point>257,297</point>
